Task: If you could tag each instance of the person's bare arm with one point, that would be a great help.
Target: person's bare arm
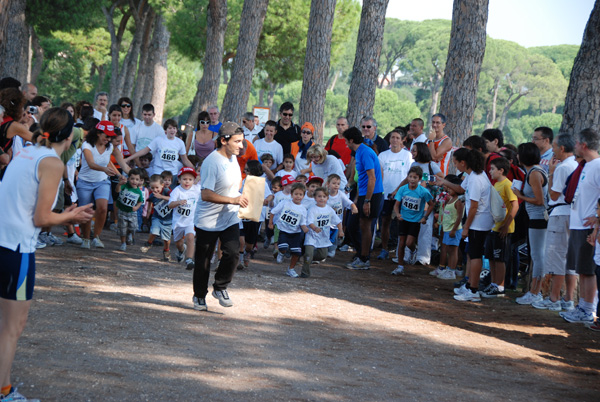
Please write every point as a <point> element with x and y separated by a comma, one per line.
<point>211,196</point>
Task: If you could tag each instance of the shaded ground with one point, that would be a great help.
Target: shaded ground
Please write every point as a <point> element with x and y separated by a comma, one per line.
<point>110,326</point>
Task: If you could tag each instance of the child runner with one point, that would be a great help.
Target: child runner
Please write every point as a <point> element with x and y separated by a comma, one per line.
<point>291,221</point>
<point>275,188</point>
<point>409,209</point>
<point>162,216</point>
<point>183,203</point>
<point>167,178</point>
<point>301,179</point>
<point>339,201</point>
<point>283,195</point>
<point>288,167</point>
<point>451,224</point>
<point>129,201</point>
<point>499,242</point>
<point>309,199</point>
<point>267,164</point>
<point>321,218</point>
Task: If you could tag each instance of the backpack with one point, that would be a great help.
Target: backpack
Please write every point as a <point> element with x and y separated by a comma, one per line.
<point>497,205</point>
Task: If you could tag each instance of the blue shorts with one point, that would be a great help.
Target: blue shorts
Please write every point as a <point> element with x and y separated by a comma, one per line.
<point>161,229</point>
<point>87,192</point>
<point>17,274</point>
<point>291,241</point>
<point>452,241</point>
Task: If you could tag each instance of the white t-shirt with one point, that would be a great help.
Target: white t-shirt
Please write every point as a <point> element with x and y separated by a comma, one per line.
<point>183,215</point>
<point>88,174</point>
<point>324,218</point>
<point>395,167</point>
<point>282,173</point>
<point>308,202</point>
<point>130,124</point>
<point>278,198</point>
<point>273,148</point>
<point>142,135</point>
<point>223,176</point>
<point>165,154</point>
<point>290,216</point>
<point>477,188</point>
<point>421,138</point>
<point>586,196</point>
<point>98,115</point>
<point>339,202</point>
<point>559,178</point>
<point>329,166</point>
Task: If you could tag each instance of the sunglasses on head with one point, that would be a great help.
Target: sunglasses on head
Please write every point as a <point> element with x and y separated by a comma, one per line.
<point>287,114</point>
<point>126,105</point>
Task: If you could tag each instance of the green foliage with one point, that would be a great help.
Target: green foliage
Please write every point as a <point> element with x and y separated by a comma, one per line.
<point>335,106</point>
<point>562,55</point>
<point>391,112</point>
<point>182,82</point>
<point>520,130</point>
<point>64,15</point>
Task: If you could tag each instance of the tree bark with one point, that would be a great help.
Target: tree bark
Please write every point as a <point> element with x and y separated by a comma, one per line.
<point>238,91</point>
<point>143,85</point>
<point>38,60</point>
<point>492,118</point>
<point>316,65</point>
<point>160,51</point>
<point>361,95</point>
<point>509,103</point>
<point>116,38</point>
<point>435,96</point>
<point>582,103</point>
<point>14,40</point>
<point>465,55</point>
<point>208,87</point>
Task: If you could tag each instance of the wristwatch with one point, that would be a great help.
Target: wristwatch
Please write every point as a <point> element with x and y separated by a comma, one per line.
<point>366,201</point>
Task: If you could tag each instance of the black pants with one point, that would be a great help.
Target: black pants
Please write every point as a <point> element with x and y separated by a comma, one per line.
<point>205,247</point>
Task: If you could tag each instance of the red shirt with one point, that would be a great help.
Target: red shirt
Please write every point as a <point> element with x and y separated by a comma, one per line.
<point>339,145</point>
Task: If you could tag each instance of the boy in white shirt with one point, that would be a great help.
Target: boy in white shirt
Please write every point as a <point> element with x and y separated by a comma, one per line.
<point>313,183</point>
<point>288,167</point>
<point>339,201</point>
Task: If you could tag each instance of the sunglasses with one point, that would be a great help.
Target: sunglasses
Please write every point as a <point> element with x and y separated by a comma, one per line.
<point>204,122</point>
<point>306,132</point>
<point>126,105</point>
<point>367,126</point>
<point>287,114</point>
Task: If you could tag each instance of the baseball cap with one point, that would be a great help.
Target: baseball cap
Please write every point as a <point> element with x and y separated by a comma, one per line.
<point>315,178</point>
<point>189,170</point>
<point>287,179</point>
<point>229,128</point>
<point>106,127</point>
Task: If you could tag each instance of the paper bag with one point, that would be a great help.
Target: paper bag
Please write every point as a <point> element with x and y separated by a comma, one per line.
<point>254,190</point>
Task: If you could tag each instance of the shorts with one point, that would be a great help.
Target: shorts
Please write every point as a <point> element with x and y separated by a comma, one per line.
<point>406,228</point>
<point>376,205</point>
<point>87,192</point>
<point>452,241</point>
<point>161,229</point>
<point>477,243</point>
<point>251,231</point>
<point>180,231</point>
<point>17,274</point>
<point>496,247</point>
<point>580,254</point>
<point>128,222</point>
<point>388,207</point>
<point>557,240</point>
<point>291,241</point>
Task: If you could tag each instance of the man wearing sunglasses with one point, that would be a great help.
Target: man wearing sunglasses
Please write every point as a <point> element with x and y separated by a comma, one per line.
<point>368,127</point>
<point>287,131</point>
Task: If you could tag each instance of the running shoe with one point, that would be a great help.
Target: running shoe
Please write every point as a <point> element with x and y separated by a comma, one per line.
<point>85,243</point>
<point>529,298</point>
<point>358,264</point>
<point>74,239</point>
<point>567,305</point>
<point>55,240</point>
<point>383,255</point>
<point>223,297</point>
<point>461,289</point>
<point>189,264</point>
<point>491,292</point>
<point>399,270</point>
<point>145,248</point>
<point>291,272</point>
<point>97,243</point>
<point>267,242</point>
<point>468,296</point>
<point>199,303</point>
<point>181,254</point>
<point>346,248</point>
<point>14,396</point>
<point>44,238</point>
<point>280,257</point>
<point>595,326</point>
<point>167,255</point>
<point>461,282</point>
<point>436,272</point>
<point>40,244</point>
<point>447,274</point>
<point>331,254</point>
<point>123,247</point>
<point>546,304</point>
<point>577,315</point>
<point>130,239</point>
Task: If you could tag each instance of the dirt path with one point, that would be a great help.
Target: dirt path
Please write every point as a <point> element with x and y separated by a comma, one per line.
<point>106,326</point>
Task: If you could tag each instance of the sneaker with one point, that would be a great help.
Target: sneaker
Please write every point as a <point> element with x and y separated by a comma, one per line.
<point>223,297</point>
<point>267,243</point>
<point>395,260</point>
<point>413,257</point>
<point>74,239</point>
<point>595,326</point>
<point>130,239</point>
<point>447,274</point>
<point>461,289</point>
<point>55,240</point>
<point>545,304</point>
<point>280,258</point>
<point>383,255</point>
<point>468,296</point>
<point>40,244</point>
<point>331,254</point>
<point>358,264</point>
<point>460,283</point>
<point>181,254</point>
<point>167,255</point>
<point>291,272</point>
<point>492,291</point>
<point>345,248</point>
<point>14,396</point>
<point>199,303</point>
<point>146,248</point>
<point>399,270</point>
<point>189,264</point>
<point>436,271</point>
<point>577,315</point>
<point>97,243</point>
<point>123,247</point>
<point>567,305</point>
<point>85,243</point>
<point>529,298</point>
<point>460,272</point>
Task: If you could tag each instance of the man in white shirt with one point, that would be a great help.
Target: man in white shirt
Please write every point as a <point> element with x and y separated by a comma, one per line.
<point>416,131</point>
<point>100,109</point>
<point>542,137</point>
<point>143,134</point>
<point>251,130</point>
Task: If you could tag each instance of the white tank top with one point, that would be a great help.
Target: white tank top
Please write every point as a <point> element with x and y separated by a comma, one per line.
<point>18,199</point>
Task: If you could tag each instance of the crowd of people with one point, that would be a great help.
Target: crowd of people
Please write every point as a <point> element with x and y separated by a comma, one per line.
<point>506,213</point>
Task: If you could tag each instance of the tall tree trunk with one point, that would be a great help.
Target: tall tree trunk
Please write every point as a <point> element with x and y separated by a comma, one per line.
<point>208,87</point>
<point>336,75</point>
<point>509,103</point>
<point>238,91</point>
<point>465,55</point>
<point>582,104</point>
<point>361,95</point>
<point>38,60</point>
<point>143,15</point>
<point>490,122</point>
<point>14,40</point>
<point>143,85</point>
<point>261,96</point>
<point>160,51</point>
<point>316,65</point>
<point>435,97</point>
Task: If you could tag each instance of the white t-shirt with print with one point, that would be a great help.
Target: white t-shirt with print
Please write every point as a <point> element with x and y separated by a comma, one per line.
<point>88,174</point>
<point>165,154</point>
<point>290,216</point>
<point>324,218</point>
<point>274,148</point>
<point>183,215</point>
<point>586,196</point>
<point>477,188</point>
<point>142,135</point>
<point>339,202</point>
<point>395,167</point>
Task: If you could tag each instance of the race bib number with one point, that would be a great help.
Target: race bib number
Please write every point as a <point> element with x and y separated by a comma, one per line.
<point>323,221</point>
<point>289,218</point>
<point>162,209</point>
<point>128,198</point>
<point>411,203</point>
<point>184,210</point>
<point>169,155</point>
